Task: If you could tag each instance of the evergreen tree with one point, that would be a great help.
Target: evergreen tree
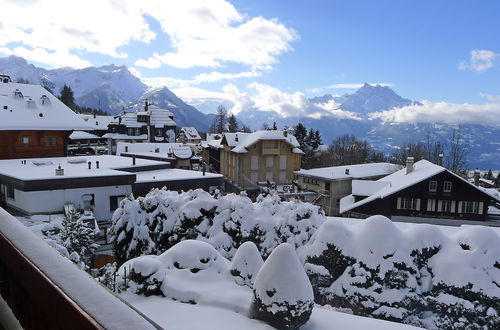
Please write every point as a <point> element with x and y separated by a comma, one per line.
<point>317,140</point>
<point>265,127</point>
<point>490,176</point>
<point>67,97</point>
<point>300,133</point>
<point>78,238</point>
<point>232,124</point>
<point>497,181</point>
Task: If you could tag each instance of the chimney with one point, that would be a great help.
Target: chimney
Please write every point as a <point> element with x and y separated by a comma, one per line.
<point>346,171</point>
<point>204,169</point>
<point>94,115</point>
<point>285,133</point>
<point>477,175</point>
<point>440,159</point>
<point>59,170</point>
<point>409,165</point>
<point>133,160</point>
<point>146,104</point>
<point>97,164</point>
<point>90,165</point>
<point>236,138</point>
<point>126,148</point>
<point>87,200</point>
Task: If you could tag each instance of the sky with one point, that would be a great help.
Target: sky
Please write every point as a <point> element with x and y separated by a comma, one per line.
<point>271,54</point>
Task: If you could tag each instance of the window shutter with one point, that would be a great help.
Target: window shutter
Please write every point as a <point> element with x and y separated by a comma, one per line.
<point>418,204</point>
<point>399,203</point>
<point>460,207</point>
<point>429,205</point>
<point>480,210</point>
<point>453,207</point>
<point>440,205</point>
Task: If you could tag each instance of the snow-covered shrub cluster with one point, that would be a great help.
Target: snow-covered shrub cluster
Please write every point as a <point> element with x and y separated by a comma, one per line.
<point>418,276</point>
<point>194,272</point>
<point>156,222</point>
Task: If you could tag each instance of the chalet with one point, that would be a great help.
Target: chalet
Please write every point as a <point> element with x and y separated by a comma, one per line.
<point>84,143</point>
<point>46,185</point>
<point>422,189</point>
<point>33,122</point>
<point>333,183</point>
<point>188,135</point>
<point>151,124</point>
<point>252,160</point>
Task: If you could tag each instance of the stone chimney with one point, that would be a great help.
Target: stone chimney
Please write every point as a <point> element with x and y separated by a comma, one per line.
<point>477,175</point>
<point>440,159</point>
<point>409,165</point>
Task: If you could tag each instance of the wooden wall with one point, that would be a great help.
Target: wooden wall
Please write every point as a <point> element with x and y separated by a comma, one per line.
<point>33,144</point>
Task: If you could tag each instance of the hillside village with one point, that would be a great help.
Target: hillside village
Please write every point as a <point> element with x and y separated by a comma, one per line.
<point>133,198</point>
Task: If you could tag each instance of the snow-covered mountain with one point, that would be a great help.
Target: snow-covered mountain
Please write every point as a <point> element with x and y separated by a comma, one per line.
<point>367,99</point>
<point>110,88</point>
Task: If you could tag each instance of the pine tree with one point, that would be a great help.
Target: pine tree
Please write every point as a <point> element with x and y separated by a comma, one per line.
<point>232,123</point>
<point>490,176</point>
<point>300,133</point>
<point>67,97</point>
<point>220,121</point>
<point>78,238</point>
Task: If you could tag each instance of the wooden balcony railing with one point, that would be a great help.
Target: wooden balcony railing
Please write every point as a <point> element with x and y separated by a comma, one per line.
<point>46,291</point>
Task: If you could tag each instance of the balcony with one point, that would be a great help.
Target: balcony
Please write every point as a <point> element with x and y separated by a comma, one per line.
<point>44,290</point>
<point>270,151</point>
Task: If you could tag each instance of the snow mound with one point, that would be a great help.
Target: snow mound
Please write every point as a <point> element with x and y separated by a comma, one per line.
<point>246,264</point>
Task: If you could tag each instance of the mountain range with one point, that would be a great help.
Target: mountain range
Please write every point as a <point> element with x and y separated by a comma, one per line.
<point>115,89</point>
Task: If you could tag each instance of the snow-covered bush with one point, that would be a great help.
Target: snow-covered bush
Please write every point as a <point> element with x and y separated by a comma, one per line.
<point>246,264</point>
<point>78,239</point>
<point>418,276</point>
<point>156,222</point>
<point>282,293</point>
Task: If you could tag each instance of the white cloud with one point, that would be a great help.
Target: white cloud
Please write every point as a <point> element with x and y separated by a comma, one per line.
<point>50,31</point>
<point>211,33</point>
<point>491,98</point>
<point>189,94</point>
<point>480,60</point>
<point>443,112</point>
<point>213,76</point>
<point>201,33</point>
<point>267,98</point>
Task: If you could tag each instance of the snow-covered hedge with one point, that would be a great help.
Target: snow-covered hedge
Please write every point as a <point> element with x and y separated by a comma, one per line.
<point>156,222</point>
<point>418,276</point>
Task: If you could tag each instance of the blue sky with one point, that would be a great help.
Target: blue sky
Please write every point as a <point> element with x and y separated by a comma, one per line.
<point>255,52</point>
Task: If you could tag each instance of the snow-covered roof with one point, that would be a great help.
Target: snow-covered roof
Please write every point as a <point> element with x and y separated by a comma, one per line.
<point>214,136</point>
<point>158,118</point>
<point>246,140</point>
<point>183,152</point>
<point>216,144</point>
<point>367,187</point>
<point>489,182</point>
<point>174,174</point>
<point>74,167</point>
<point>357,171</point>
<point>422,170</point>
<point>80,135</point>
<point>32,107</point>
<point>191,132</point>
<point>97,122</point>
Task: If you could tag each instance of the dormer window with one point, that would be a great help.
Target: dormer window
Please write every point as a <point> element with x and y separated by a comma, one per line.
<point>18,94</point>
<point>45,100</point>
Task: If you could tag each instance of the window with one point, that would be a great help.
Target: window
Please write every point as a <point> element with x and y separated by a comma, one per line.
<point>269,176</point>
<point>11,193</point>
<point>431,205</point>
<point>50,141</point>
<point>269,161</point>
<point>447,186</point>
<point>26,140</point>
<point>470,207</point>
<point>433,186</point>
<point>114,201</point>
<point>133,131</point>
<point>447,206</point>
<point>282,177</point>
<point>407,203</point>
<point>253,177</point>
<point>254,163</point>
<point>159,132</point>
<point>269,145</point>
<point>282,162</point>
